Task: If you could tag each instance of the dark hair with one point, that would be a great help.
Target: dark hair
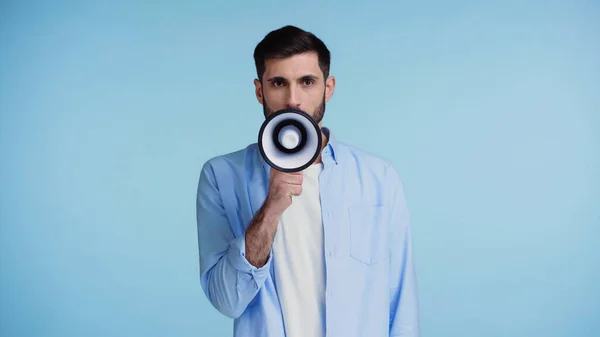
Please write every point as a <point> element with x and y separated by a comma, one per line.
<point>288,41</point>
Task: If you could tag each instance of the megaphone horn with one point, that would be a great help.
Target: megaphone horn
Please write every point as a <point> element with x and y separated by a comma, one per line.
<point>289,140</point>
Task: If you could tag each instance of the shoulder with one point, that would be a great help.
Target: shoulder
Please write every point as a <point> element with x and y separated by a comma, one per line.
<point>364,161</point>
<point>234,159</point>
<point>222,173</point>
<point>228,166</point>
<point>369,176</point>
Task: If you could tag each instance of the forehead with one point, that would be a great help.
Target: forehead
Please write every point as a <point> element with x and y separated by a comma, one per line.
<point>294,66</point>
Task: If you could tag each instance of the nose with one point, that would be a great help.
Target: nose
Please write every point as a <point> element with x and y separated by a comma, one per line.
<point>292,98</point>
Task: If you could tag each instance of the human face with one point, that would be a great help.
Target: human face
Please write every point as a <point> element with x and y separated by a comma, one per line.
<point>295,82</point>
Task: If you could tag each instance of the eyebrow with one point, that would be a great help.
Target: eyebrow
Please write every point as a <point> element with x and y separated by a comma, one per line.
<point>304,77</point>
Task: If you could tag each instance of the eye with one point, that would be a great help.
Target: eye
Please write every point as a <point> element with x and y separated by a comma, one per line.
<point>277,83</point>
<point>308,82</point>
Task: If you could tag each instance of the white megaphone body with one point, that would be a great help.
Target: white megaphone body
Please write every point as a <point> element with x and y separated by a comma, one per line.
<point>289,140</point>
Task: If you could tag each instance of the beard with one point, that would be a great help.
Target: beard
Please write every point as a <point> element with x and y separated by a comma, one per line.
<point>316,114</point>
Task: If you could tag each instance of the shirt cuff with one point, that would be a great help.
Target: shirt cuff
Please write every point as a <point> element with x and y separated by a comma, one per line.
<point>237,258</point>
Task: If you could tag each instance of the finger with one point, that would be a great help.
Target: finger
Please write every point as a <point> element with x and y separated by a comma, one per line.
<point>275,171</point>
<point>296,190</point>
<point>289,179</point>
<point>295,180</point>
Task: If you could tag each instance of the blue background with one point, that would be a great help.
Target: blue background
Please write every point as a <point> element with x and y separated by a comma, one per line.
<point>489,110</point>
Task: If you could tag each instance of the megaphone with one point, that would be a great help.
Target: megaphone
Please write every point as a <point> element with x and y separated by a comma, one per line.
<point>289,140</point>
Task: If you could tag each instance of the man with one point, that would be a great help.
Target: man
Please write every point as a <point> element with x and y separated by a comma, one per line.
<point>337,259</point>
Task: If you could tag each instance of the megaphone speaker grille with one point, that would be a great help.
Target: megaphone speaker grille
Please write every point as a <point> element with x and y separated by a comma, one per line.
<point>289,136</point>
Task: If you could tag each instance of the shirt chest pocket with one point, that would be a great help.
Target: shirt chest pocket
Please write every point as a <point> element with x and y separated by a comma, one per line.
<point>368,233</point>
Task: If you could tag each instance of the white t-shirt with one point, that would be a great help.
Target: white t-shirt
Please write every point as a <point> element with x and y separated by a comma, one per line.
<point>299,261</point>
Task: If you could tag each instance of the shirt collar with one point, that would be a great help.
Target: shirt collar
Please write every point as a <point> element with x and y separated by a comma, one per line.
<point>331,150</point>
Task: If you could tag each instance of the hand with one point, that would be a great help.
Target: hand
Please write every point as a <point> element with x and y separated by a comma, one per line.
<point>281,188</point>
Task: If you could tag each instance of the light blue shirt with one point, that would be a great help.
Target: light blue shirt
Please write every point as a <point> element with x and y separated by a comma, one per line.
<point>371,286</point>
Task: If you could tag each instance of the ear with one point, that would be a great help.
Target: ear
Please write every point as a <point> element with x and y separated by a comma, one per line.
<point>329,88</point>
<point>258,91</point>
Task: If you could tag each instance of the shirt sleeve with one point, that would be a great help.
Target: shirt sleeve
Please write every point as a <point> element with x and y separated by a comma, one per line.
<point>404,306</point>
<point>228,280</point>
